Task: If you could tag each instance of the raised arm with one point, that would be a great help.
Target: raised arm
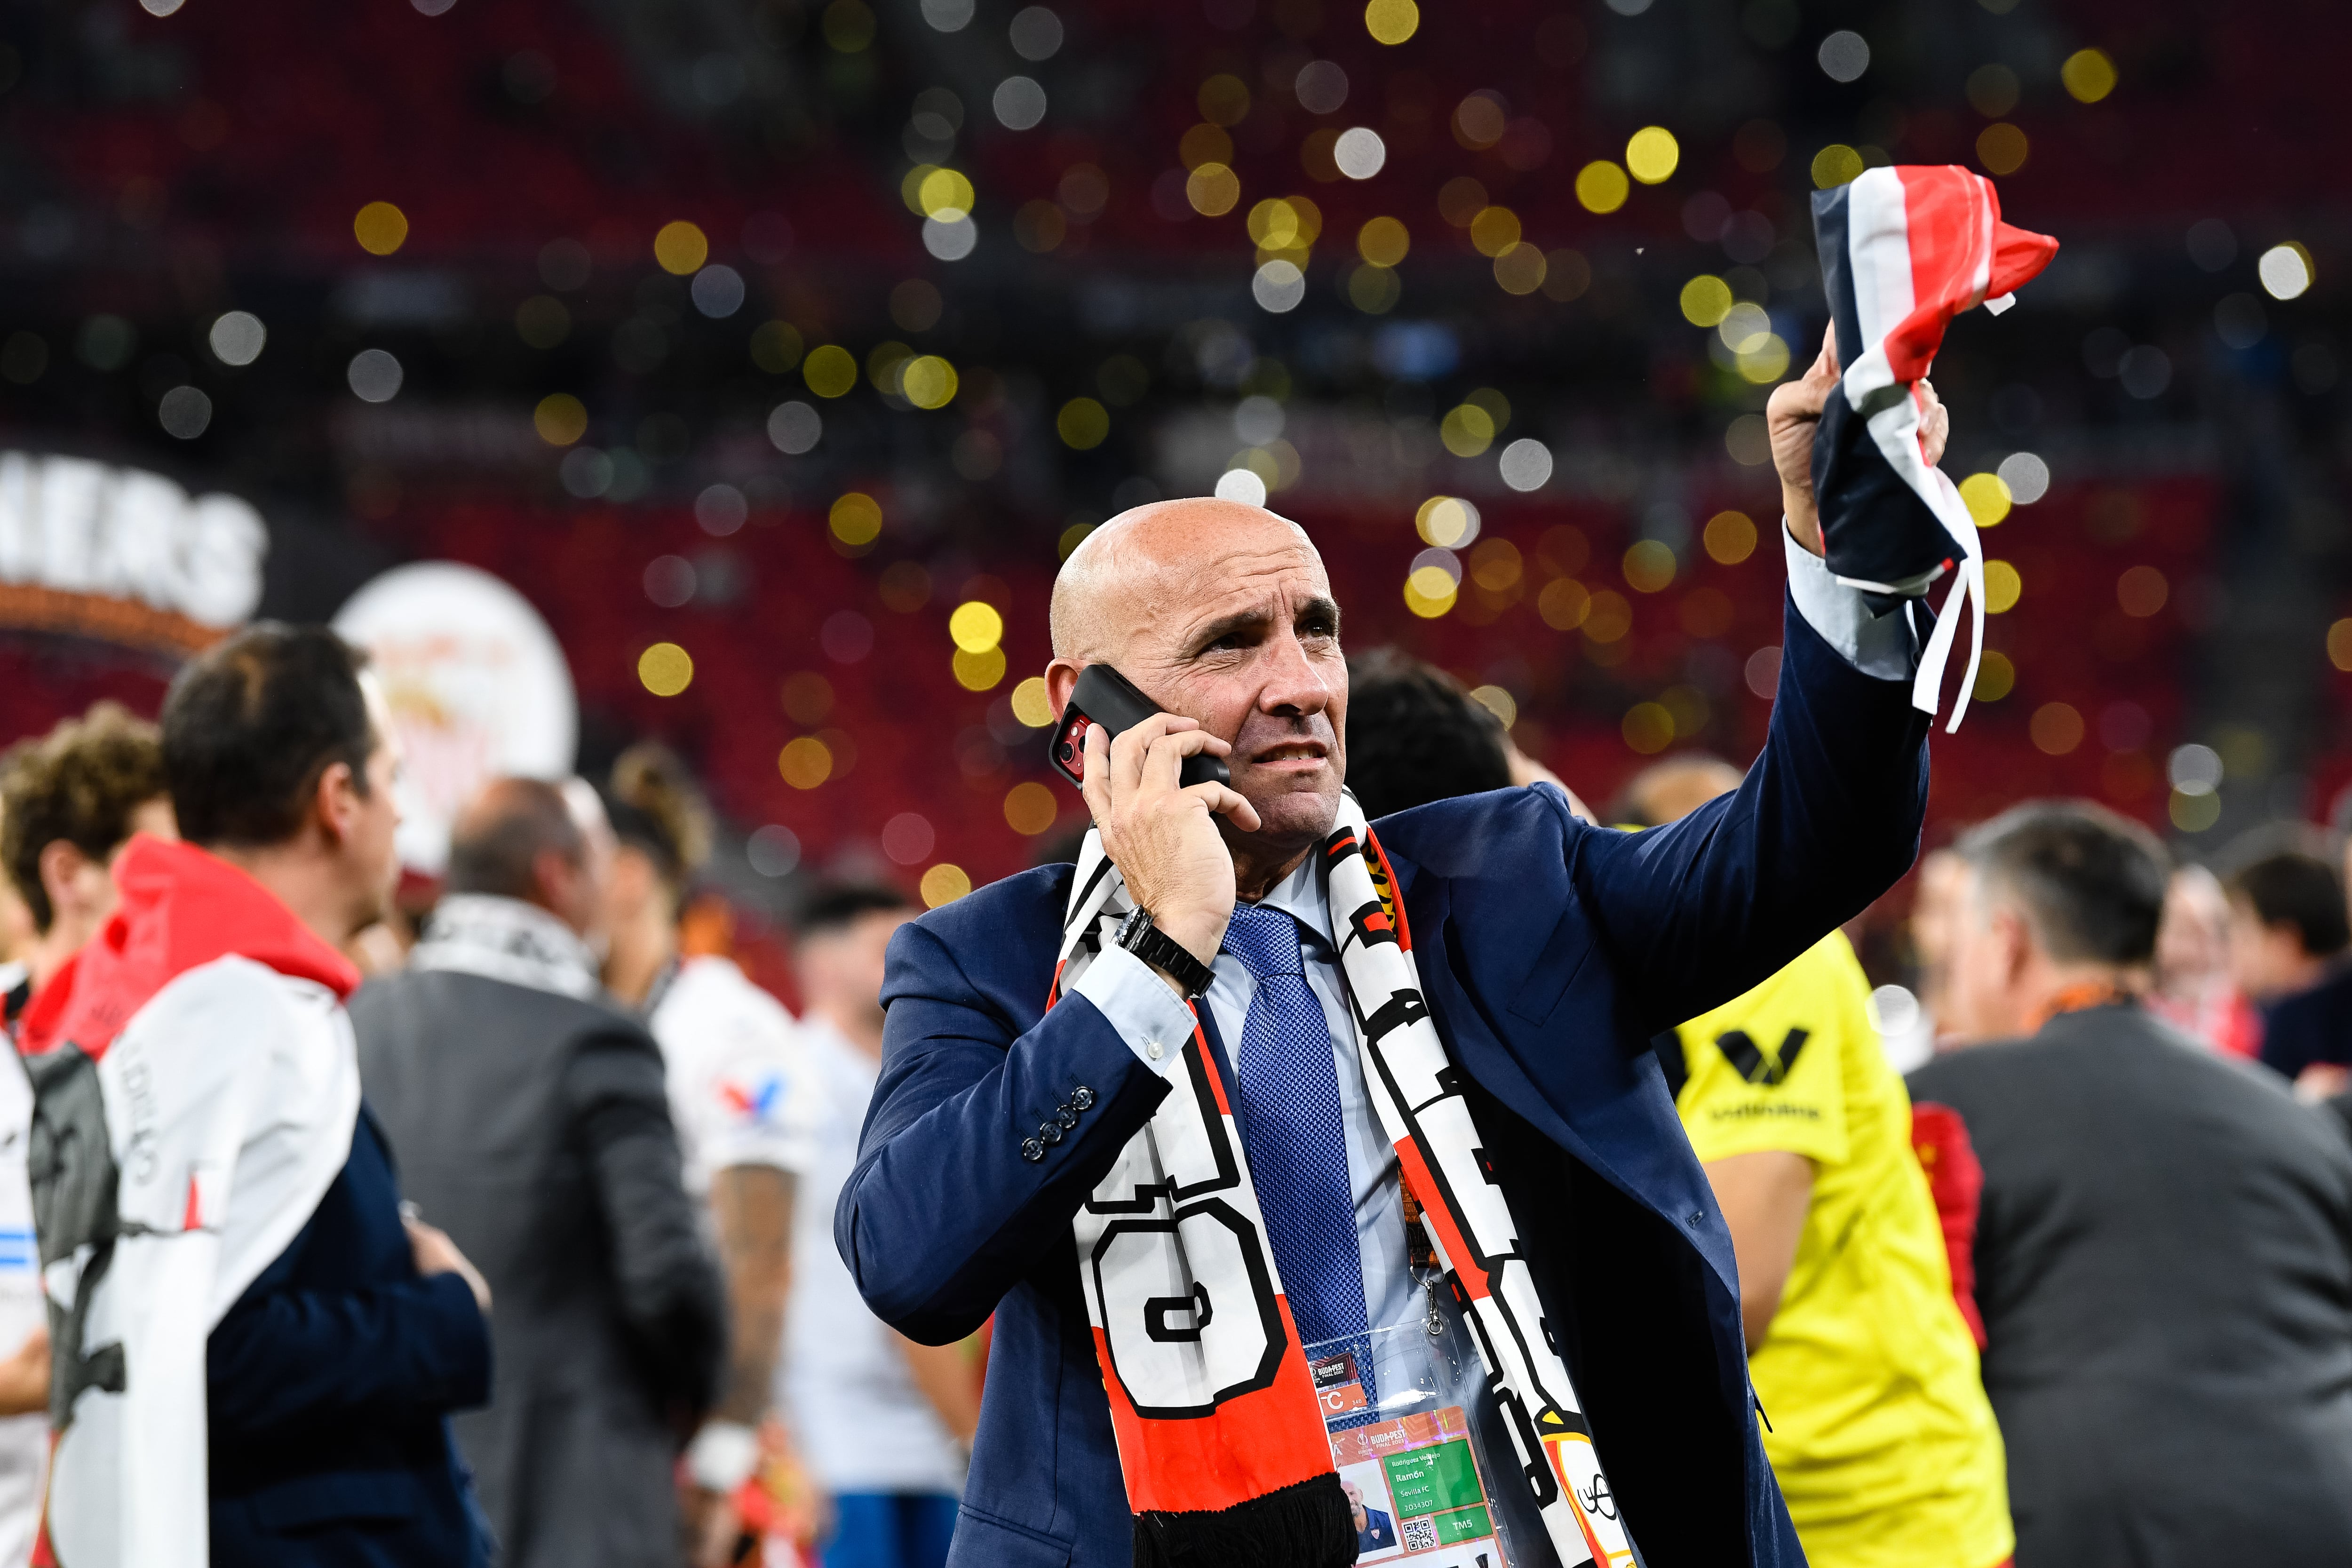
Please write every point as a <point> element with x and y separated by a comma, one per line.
<point>1829,817</point>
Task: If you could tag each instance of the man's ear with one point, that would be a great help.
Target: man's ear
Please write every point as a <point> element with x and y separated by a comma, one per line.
<point>554,876</point>
<point>1060,677</point>
<point>2016,940</point>
<point>61,861</point>
<point>335,803</point>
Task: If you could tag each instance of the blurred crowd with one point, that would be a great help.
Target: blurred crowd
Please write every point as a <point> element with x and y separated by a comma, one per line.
<point>597,1122</point>
<point>566,1292</point>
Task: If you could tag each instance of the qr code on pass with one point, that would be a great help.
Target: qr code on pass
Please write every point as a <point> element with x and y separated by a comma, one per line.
<point>1421,1535</point>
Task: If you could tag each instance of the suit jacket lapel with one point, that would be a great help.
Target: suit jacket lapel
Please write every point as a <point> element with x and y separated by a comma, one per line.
<point>1481,1049</point>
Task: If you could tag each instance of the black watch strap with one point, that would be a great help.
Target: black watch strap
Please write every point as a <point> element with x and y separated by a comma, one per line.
<point>1157,948</point>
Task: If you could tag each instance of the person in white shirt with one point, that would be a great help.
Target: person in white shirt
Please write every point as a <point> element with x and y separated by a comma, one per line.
<point>739,1090</point>
<point>68,801</point>
<point>887,1422</point>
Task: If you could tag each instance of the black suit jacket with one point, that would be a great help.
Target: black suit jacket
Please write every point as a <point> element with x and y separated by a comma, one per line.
<point>534,1128</point>
<point>2163,1261</point>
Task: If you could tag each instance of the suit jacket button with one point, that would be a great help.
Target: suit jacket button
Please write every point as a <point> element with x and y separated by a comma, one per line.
<point>1051,1131</point>
<point>1082,1099</point>
<point>1032,1150</point>
<point>1065,1118</point>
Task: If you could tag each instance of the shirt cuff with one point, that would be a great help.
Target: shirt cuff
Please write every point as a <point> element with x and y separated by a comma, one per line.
<point>1152,1019</point>
<point>1880,645</point>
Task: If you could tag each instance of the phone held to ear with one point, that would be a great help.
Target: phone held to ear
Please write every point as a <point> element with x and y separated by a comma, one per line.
<point>1106,698</point>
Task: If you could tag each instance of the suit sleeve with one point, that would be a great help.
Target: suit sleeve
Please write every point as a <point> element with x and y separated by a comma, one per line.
<point>946,1210</point>
<point>417,1346</point>
<point>670,1294</point>
<point>284,1351</point>
<point>1696,912</point>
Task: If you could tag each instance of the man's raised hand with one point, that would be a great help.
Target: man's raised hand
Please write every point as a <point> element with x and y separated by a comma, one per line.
<point>1163,836</point>
<point>1791,418</point>
<point>1795,412</point>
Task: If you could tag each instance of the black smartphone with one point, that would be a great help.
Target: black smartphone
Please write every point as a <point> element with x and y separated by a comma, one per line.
<point>1104,697</point>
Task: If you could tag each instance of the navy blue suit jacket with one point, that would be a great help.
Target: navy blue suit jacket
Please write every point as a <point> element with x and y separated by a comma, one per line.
<point>329,1384</point>
<point>1550,953</point>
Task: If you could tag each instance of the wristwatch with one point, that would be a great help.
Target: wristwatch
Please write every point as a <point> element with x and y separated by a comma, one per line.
<point>1157,948</point>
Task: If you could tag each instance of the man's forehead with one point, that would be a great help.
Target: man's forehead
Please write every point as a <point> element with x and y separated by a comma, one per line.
<point>1244,565</point>
<point>1173,566</point>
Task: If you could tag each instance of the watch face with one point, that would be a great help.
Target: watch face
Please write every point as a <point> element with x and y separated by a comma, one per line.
<point>1137,923</point>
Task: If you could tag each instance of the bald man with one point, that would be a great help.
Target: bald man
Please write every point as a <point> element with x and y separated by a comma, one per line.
<point>1196,1173</point>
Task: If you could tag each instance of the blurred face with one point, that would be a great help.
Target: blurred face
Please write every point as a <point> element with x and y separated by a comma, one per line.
<point>366,824</point>
<point>2265,961</point>
<point>81,890</point>
<point>375,863</point>
<point>1944,879</point>
<point>1987,992</point>
<point>841,970</point>
<point>1221,612</point>
<point>581,894</point>
<point>2192,940</point>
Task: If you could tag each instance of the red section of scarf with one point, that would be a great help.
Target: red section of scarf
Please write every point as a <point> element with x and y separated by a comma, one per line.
<point>1961,253</point>
<point>181,908</point>
<point>1252,1444</point>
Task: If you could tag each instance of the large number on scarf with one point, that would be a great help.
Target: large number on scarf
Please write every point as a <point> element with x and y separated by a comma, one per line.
<point>1188,1326</point>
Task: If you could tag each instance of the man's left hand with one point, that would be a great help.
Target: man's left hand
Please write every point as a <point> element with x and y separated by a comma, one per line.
<point>1793,414</point>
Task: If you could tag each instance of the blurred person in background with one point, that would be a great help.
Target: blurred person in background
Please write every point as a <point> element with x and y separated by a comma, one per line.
<point>2288,932</point>
<point>1940,878</point>
<point>1424,738</point>
<point>1865,1366</point>
<point>741,1091</point>
<point>2164,1252</point>
<point>246,1312</point>
<point>888,1422</point>
<point>1864,1361</point>
<point>531,1118</point>
<point>2196,988</point>
<point>68,802</point>
<point>1670,790</point>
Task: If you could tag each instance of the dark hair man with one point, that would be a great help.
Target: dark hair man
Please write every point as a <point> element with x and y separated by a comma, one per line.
<point>2164,1251</point>
<point>885,1419</point>
<point>1048,1083</point>
<point>2288,932</point>
<point>2287,922</point>
<point>531,1118</point>
<point>740,1091</point>
<point>68,802</point>
<point>250,1292</point>
<point>1845,1295</point>
<point>1415,735</point>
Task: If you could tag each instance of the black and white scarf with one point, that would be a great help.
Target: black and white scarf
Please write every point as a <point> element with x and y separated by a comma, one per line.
<point>1220,1439</point>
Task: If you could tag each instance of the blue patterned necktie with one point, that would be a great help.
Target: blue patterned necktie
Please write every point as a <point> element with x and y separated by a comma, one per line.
<point>1293,1134</point>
